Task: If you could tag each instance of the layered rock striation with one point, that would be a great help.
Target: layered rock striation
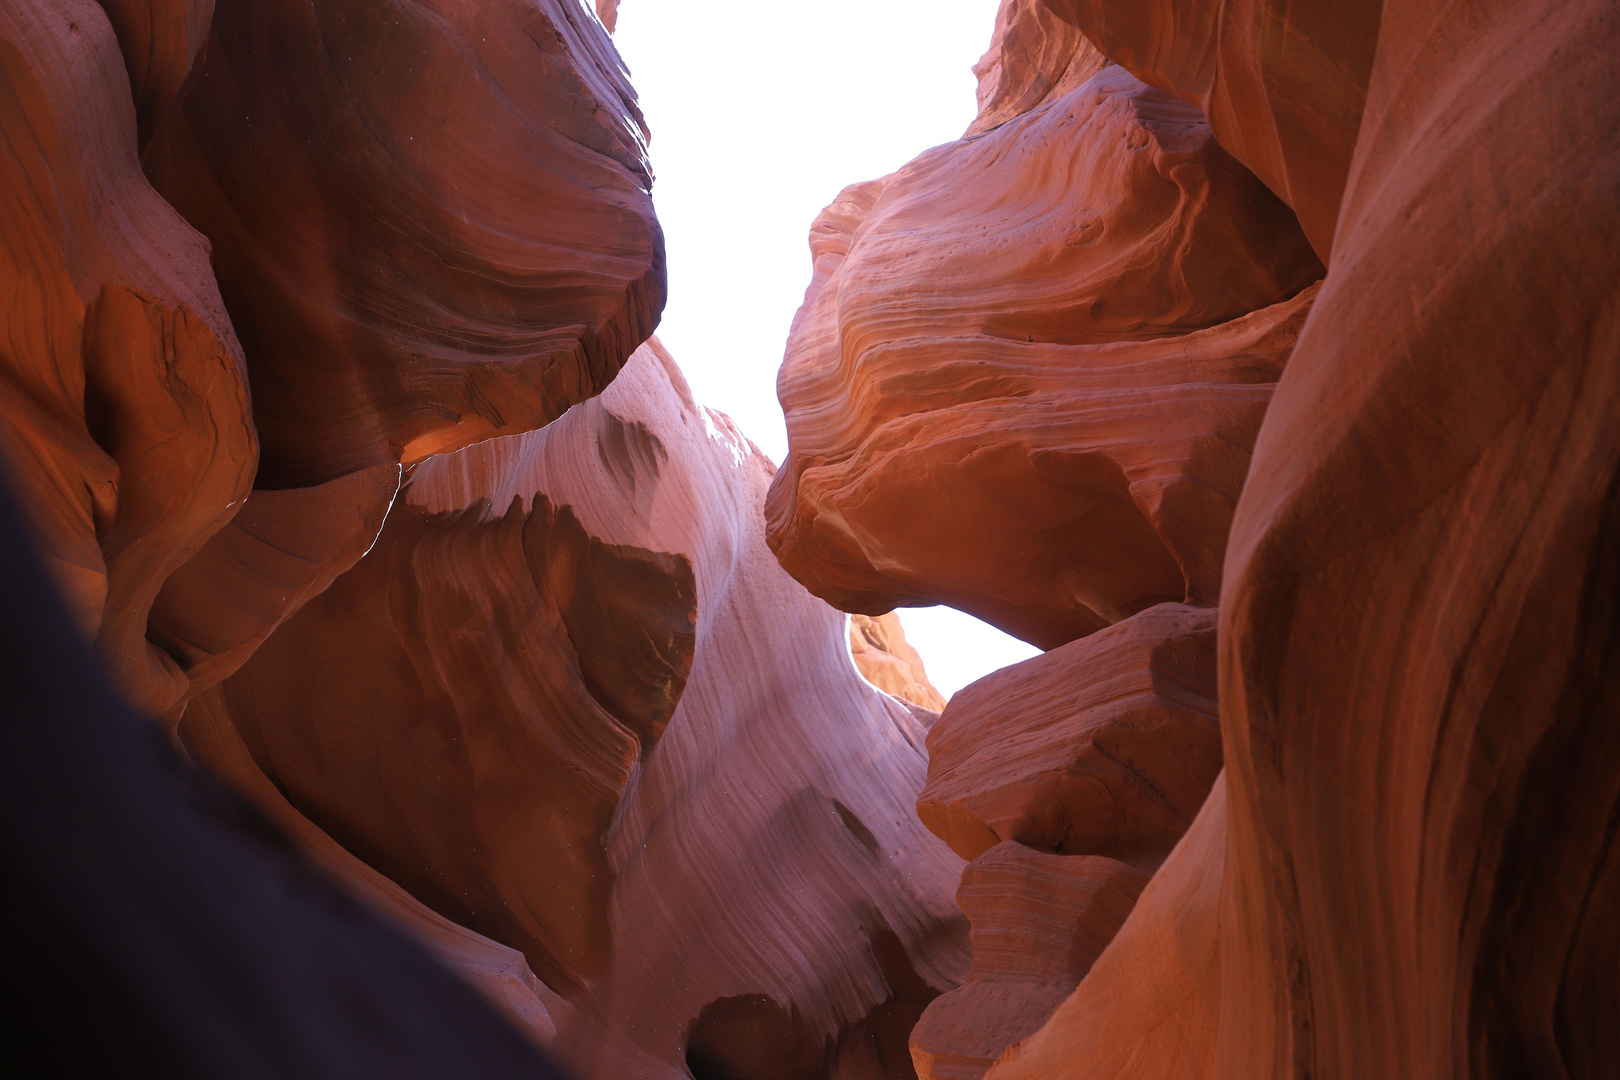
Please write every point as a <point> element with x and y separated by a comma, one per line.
<point>1034,397</point>
<point>1417,616</point>
<point>125,419</point>
<point>889,662</point>
<point>1105,746</point>
<point>1030,367</point>
<point>130,427</point>
<point>431,223</point>
<point>326,402</point>
<point>1406,867</point>
<point>550,707</point>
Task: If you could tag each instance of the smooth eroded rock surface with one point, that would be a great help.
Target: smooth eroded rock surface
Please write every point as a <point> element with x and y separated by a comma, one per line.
<point>1283,82</point>
<point>1106,746</point>
<point>1409,867</point>
<point>1039,921</point>
<point>1034,56</point>
<point>430,221</point>
<point>160,40</point>
<point>1030,366</point>
<point>747,862</point>
<point>889,662</point>
<point>464,708</point>
<point>124,417</point>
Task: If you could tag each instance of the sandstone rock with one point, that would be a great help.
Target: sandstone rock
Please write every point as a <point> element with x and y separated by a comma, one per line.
<point>279,550</point>
<point>767,848</point>
<point>160,40</point>
<point>1150,1005</point>
<point>430,222</point>
<point>1034,56</point>
<point>1409,868</point>
<point>124,417</point>
<point>749,860</point>
<point>1027,374</point>
<point>886,660</point>
<point>464,709</point>
<point>163,928</point>
<point>1283,82</point>
<point>1106,746</point>
<point>1419,629</point>
<point>1039,921</point>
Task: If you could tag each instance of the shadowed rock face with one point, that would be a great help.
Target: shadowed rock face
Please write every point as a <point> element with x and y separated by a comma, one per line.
<point>1067,779</point>
<point>1039,921</point>
<point>1408,867</point>
<point>124,412</point>
<point>567,728</point>
<point>127,423</point>
<point>431,222</point>
<point>1105,746</point>
<point>463,711</point>
<point>1283,82</point>
<point>160,40</point>
<point>1031,364</point>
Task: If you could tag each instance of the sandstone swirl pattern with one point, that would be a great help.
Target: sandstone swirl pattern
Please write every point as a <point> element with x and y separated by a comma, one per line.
<point>726,851</point>
<point>125,414</point>
<point>1030,366</point>
<point>430,221</point>
<point>1026,381</point>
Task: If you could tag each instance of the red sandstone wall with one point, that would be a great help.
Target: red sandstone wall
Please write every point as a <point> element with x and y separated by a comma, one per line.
<point>1258,360</point>
<point>1405,868</point>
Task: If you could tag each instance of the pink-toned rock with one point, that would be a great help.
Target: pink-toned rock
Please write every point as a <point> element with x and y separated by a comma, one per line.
<point>431,222</point>
<point>1034,56</point>
<point>1039,921</point>
<point>1030,366</point>
<point>889,662</point>
<point>464,709</point>
<point>1409,869</point>
<point>767,848</point>
<point>1283,82</point>
<point>160,40</point>
<point>752,867</point>
<point>124,418</point>
<point>1105,746</point>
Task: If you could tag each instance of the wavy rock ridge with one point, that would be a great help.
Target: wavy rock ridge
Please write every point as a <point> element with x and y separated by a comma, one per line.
<point>1256,359</point>
<point>1100,399</point>
<point>1412,553</point>
<point>517,700</point>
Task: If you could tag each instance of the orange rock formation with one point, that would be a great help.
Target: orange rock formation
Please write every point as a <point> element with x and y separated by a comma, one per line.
<point>541,706</point>
<point>887,661</point>
<point>1028,372</point>
<point>1406,867</point>
<point>1259,360</point>
<point>125,419</point>
<point>1105,746</point>
<point>369,176</point>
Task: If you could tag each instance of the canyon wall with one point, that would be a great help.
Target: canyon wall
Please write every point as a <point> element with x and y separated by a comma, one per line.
<point>1257,360</point>
<point>546,705</point>
<point>1022,386</point>
<point>569,702</point>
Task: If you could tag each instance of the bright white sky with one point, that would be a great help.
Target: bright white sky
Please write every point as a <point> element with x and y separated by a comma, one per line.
<point>760,114</point>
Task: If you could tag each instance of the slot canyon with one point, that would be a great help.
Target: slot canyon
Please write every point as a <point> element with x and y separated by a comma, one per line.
<point>407,673</point>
